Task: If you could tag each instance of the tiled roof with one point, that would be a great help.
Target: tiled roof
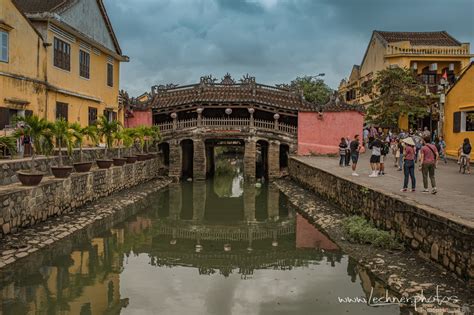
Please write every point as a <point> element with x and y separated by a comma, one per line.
<point>235,93</point>
<point>37,6</point>
<point>441,38</point>
<point>335,104</point>
<point>40,6</point>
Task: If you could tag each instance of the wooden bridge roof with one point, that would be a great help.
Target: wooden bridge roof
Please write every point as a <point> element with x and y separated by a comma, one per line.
<point>225,93</point>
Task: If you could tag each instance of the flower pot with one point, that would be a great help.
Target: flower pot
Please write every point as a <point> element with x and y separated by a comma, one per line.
<point>104,163</point>
<point>61,171</point>
<point>142,157</point>
<point>30,178</point>
<point>82,167</point>
<point>119,161</point>
<point>131,159</point>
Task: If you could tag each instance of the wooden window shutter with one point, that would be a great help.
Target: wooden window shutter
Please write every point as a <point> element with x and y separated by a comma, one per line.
<point>114,116</point>
<point>457,122</point>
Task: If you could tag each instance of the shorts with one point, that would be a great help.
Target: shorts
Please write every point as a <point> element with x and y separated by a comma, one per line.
<point>354,157</point>
<point>375,159</point>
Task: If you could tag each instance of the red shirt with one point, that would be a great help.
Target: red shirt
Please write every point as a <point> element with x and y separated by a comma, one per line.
<point>409,153</point>
<point>429,154</point>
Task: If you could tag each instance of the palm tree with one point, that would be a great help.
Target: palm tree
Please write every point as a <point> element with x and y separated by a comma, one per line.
<point>119,136</point>
<point>156,136</point>
<point>144,134</point>
<point>63,135</point>
<point>8,143</point>
<point>106,129</point>
<point>130,135</point>
<point>80,133</point>
<point>38,129</point>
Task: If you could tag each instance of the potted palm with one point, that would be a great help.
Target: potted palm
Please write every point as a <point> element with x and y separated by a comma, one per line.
<point>129,136</point>
<point>62,134</point>
<point>106,130</point>
<point>142,133</point>
<point>80,133</point>
<point>119,136</point>
<point>38,130</point>
<point>8,144</point>
<point>156,138</point>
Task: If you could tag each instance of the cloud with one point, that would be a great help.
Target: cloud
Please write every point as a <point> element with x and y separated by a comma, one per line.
<point>274,40</point>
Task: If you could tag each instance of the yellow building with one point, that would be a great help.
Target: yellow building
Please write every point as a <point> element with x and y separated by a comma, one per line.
<point>459,112</point>
<point>429,54</point>
<point>59,58</point>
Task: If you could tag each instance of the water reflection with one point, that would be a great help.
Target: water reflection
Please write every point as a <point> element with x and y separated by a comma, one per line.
<point>194,249</point>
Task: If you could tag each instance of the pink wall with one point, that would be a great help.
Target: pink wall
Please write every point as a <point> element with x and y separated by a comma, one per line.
<point>308,237</point>
<point>322,135</point>
<point>139,118</point>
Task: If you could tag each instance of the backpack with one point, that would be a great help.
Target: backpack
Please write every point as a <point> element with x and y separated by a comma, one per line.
<point>385,149</point>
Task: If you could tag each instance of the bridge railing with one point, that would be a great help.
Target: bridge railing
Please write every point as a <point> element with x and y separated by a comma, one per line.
<point>225,123</point>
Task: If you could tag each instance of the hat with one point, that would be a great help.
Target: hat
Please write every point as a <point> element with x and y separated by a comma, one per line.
<point>409,141</point>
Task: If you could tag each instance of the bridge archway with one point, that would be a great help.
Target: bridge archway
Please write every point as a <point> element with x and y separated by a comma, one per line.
<point>262,159</point>
<point>284,154</point>
<point>187,158</point>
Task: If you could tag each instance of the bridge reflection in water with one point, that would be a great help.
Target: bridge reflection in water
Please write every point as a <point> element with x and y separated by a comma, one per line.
<point>220,228</point>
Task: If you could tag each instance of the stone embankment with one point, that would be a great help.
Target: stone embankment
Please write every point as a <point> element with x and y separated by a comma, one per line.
<point>22,207</point>
<point>402,272</point>
<point>65,230</point>
<point>442,238</point>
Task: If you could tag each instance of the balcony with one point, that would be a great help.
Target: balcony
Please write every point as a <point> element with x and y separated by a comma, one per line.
<point>228,124</point>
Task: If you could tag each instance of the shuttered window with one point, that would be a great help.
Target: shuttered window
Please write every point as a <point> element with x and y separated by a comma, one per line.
<point>110,75</point>
<point>84,64</point>
<point>61,110</point>
<point>92,115</point>
<point>457,122</point>
<point>62,54</point>
<point>110,115</point>
<point>4,117</point>
<point>3,46</point>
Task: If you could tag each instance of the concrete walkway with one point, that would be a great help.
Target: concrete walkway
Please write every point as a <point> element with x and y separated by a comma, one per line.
<point>455,191</point>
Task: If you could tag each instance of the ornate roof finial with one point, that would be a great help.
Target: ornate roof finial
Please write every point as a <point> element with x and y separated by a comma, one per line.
<point>227,79</point>
<point>208,79</point>
<point>247,79</point>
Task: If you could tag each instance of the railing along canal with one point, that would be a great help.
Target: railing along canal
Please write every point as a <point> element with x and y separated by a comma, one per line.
<point>225,123</point>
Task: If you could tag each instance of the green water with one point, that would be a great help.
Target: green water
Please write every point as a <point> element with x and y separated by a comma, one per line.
<point>215,247</point>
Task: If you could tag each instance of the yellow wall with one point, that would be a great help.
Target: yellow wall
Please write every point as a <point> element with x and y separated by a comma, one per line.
<point>21,76</point>
<point>459,98</point>
<point>46,84</point>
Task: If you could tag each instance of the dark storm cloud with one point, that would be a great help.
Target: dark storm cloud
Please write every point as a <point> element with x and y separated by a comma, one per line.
<point>275,40</point>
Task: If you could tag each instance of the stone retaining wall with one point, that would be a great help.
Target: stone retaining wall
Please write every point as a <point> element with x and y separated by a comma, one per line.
<point>8,168</point>
<point>442,238</point>
<point>22,206</point>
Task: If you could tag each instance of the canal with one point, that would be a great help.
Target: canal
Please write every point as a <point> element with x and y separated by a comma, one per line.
<point>216,247</point>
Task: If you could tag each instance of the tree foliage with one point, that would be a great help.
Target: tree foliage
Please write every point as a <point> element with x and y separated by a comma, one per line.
<point>314,90</point>
<point>396,92</point>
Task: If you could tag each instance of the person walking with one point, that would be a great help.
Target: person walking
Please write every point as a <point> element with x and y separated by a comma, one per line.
<point>442,154</point>
<point>429,159</point>
<point>384,150</point>
<point>401,146</point>
<point>465,151</point>
<point>342,152</point>
<point>355,149</point>
<point>375,145</point>
<point>409,164</point>
<point>348,151</point>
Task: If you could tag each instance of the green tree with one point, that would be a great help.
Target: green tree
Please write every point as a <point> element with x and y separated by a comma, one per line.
<point>314,89</point>
<point>63,134</point>
<point>396,92</point>
<point>106,129</point>
<point>80,133</point>
<point>38,129</point>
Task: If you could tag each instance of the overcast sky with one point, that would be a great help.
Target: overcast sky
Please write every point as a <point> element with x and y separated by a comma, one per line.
<point>178,41</point>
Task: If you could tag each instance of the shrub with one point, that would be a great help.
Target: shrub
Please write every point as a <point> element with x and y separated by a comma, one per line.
<point>358,230</point>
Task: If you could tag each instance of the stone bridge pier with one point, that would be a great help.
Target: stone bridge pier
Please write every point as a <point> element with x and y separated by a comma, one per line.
<point>194,157</point>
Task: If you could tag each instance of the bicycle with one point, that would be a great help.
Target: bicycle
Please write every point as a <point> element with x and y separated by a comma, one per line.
<point>462,164</point>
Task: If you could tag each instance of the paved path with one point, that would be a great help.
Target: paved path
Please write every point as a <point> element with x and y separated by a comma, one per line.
<point>455,191</point>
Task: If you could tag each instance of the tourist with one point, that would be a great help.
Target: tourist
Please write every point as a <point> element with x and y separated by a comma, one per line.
<point>355,149</point>
<point>465,151</point>
<point>348,151</point>
<point>401,146</point>
<point>366,136</point>
<point>342,152</point>
<point>385,149</point>
<point>429,159</point>
<point>426,133</point>
<point>409,164</point>
<point>375,145</point>
<point>395,152</point>
<point>442,144</point>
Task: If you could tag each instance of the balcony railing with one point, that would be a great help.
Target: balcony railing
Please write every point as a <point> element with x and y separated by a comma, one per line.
<point>456,51</point>
<point>227,123</point>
